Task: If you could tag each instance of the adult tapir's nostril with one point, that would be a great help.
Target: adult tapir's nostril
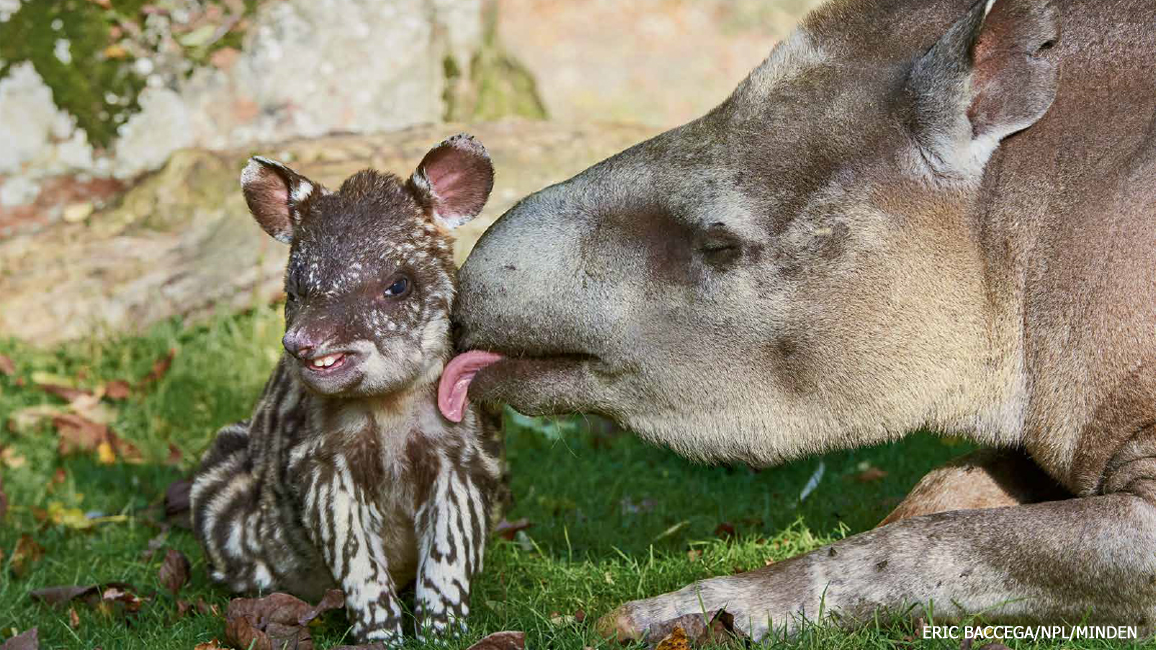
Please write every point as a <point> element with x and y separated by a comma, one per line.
<point>298,342</point>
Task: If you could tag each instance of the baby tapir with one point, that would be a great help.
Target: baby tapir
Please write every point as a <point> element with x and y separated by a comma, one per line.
<point>346,474</point>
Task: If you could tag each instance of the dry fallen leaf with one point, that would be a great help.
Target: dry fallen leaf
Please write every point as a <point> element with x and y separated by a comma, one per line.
<point>7,367</point>
<point>27,552</point>
<point>29,640</point>
<point>694,554</point>
<point>725,530</point>
<point>160,368</point>
<point>66,393</point>
<point>177,502</point>
<point>714,627</point>
<point>25,419</point>
<point>117,389</point>
<point>275,621</point>
<point>174,571</point>
<point>11,459</point>
<point>676,640</point>
<point>78,433</point>
<point>870,474</point>
<point>73,618</point>
<point>508,640</point>
<point>508,529</point>
<point>209,645</point>
<point>175,455</point>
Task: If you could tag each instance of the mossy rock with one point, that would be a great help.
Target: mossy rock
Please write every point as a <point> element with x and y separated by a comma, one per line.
<point>74,47</point>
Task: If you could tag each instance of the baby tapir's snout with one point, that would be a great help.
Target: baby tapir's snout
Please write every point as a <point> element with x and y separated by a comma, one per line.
<point>300,342</point>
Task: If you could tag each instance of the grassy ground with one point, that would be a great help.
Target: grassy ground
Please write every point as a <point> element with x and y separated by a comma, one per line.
<point>613,519</point>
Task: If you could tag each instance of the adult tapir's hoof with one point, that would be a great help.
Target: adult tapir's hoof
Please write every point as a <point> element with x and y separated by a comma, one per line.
<point>619,625</point>
<point>651,620</point>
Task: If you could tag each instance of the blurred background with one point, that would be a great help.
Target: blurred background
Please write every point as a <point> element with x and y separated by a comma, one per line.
<point>123,123</point>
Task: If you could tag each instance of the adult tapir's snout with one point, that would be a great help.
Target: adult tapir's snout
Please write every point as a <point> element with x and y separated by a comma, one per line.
<point>511,282</point>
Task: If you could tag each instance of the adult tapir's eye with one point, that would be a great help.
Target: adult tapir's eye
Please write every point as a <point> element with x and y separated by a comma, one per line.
<point>398,288</point>
<point>719,246</point>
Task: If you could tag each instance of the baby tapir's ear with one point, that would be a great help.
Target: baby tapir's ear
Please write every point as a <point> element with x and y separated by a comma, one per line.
<point>274,193</point>
<point>454,180</point>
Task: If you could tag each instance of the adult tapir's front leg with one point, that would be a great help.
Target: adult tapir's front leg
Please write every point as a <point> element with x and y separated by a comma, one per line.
<point>986,478</point>
<point>1087,560</point>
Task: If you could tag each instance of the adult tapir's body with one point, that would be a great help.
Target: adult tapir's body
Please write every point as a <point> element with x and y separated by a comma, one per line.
<point>915,213</point>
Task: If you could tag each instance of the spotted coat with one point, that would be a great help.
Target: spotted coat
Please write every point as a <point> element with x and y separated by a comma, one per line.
<point>355,483</point>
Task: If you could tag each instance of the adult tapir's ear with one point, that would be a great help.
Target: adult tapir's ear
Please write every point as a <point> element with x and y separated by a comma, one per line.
<point>988,77</point>
<point>275,194</point>
<point>454,180</point>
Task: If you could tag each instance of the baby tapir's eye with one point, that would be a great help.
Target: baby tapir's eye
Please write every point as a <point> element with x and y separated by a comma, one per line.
<point>398,288</point>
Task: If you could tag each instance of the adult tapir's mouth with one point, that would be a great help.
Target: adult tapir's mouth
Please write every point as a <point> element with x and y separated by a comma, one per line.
<point>456,378</point>
<point>460,372</point>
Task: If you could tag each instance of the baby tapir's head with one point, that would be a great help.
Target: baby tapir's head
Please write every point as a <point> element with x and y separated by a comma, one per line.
<point>370,279</point>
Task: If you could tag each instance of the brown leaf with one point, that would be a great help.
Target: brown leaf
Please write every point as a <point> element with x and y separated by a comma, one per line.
<point>715,627</point>
<point>29,640</point>
<point>160,368</point>
<point>174,571</point>
<point>206,609</point>
<point>7,367</point>
<point>580,615</point>
<point>73,618</point>
<point>66,393</point>
<point>508,529</point>
<point>240,633</point>
<point>62,595</point>
<point>177,503</point>
<point>275,621</point>
<point>109,593</point>
<point>676,640</point>
<point>725,530</point>
<point>870,474</point>
<point>694,554</point>
<point>117,389</point>
<point>333,599</point>
<point>175,455</point>
<point>78,433</point>
<point>508,640</point>
<point>27,552</point>
<point>209,645</point>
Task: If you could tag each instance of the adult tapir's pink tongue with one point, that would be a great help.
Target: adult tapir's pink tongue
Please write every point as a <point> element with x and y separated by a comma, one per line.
<point>456,380</point>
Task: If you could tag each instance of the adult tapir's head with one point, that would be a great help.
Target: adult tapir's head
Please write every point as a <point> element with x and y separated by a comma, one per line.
<point>796,268</point>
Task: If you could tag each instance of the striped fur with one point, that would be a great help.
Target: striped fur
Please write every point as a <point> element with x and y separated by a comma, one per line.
<point>366,489</point>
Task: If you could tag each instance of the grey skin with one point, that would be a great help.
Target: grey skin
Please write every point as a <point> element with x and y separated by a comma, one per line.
<point>914,214</point>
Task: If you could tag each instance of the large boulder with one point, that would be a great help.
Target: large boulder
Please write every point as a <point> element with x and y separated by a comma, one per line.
<point>181,242</point>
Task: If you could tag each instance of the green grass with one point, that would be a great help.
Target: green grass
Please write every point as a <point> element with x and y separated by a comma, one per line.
<point>585,551</point>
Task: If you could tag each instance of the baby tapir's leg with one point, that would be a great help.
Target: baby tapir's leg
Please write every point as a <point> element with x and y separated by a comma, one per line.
<point>346,526</point>
<point>451,532</point>
<point>225,502</point>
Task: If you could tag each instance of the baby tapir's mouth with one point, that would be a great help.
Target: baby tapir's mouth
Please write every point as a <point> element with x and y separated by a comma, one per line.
<point>325,363</point>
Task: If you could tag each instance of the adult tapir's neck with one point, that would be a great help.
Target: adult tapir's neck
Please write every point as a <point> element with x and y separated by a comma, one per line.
<point>1065,209</point>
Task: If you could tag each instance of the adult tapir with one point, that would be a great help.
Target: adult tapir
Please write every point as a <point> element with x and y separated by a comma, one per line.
<point>915,214</point>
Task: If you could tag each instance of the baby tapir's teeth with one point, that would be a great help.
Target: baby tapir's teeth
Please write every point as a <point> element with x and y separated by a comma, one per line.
<point>326,361</point>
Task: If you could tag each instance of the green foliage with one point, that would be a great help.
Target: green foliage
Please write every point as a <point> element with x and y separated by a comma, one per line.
<point>613,519</point>
<point>82,86</point>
